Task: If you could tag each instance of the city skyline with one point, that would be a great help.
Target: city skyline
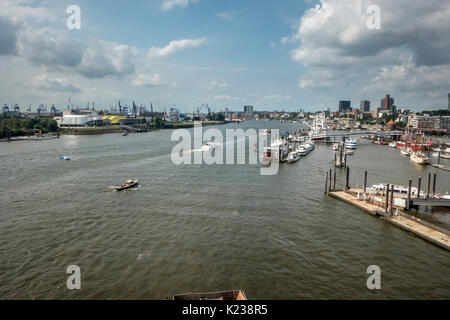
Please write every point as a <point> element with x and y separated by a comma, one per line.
<point>311,55</point>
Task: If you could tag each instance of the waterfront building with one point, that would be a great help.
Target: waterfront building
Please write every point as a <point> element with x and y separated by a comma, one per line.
<point>387,103</point>
<point>426,122</point>
<point>71,119</point>
<point>248,110</point>
<point>344,106</point>
<point>445,123</point>
<point>364,106</point>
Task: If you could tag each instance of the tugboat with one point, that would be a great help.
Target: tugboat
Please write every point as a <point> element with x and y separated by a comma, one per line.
<point>127,185</point>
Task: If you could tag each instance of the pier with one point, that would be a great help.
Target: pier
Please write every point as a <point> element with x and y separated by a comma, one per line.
<point>389,205</point>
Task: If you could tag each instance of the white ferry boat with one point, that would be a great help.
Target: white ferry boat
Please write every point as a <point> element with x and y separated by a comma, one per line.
<point>351,144</point>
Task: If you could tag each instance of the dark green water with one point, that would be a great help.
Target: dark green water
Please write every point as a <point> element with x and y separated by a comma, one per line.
<point>197,228</point>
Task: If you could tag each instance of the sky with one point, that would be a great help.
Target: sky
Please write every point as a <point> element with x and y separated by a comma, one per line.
<point>275,55</point>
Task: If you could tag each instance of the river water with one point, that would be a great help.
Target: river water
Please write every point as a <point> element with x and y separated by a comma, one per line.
<point>201,228</point>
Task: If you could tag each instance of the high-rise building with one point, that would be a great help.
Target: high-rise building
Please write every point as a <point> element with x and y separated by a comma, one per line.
<point>364,106</point>
<point>344,106</point>
<point>248,110</point>
<point>387,103</point>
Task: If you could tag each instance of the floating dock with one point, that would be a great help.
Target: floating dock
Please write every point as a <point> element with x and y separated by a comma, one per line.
<point>424,230</point>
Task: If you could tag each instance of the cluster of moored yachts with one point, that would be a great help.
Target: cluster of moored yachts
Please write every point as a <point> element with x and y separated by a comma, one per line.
<point>301,151</point>
<point>282,151</point>
<point>418,155</point>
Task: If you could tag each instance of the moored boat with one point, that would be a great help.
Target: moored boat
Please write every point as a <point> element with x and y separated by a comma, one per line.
<point>393,144</point>
<point>405,152</point>
<point>64,158</point>
<point>302,151</point>
<point>351,144</point>
<point>293,156</point>
<point>419,159</point>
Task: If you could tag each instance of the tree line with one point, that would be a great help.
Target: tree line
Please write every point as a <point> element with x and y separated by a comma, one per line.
<point>11,127</point>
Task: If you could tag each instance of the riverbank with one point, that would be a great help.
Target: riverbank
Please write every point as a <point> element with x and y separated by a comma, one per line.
<point>112,129</point>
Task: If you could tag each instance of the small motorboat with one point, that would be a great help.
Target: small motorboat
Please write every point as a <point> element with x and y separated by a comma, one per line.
<point>442,196</point>
<point>405,152</point>
<point>301,150</point>
<point>336,146</point>
<point>349,152</point>
<point>124,133</point>
<point>293,156</point>
<point>64,158</point>
<point>310,146</point>
<point>393,144</point>
<point>420,159</point>
<point>210,146</point>
<point>127,185</point>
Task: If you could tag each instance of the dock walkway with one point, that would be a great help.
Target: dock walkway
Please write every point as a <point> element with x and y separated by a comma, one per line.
<point>425,231</point>
<point>421,230</point>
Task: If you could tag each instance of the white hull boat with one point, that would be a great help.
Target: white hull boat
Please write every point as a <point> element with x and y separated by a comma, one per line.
<point>419,159</point>
<point>294,156</point>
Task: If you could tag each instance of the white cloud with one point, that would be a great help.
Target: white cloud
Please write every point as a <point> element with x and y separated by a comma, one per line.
<point>170,4</point>
<point>105,58</point>
<point>407,77</point>
<point>91,58</point>
<point>225,15</point>
<point>338,50</point>
<point>48,83</point>
<point>23,10</point>
<point>176,45</point>
<point>216,86</point>
<point>143,80</point>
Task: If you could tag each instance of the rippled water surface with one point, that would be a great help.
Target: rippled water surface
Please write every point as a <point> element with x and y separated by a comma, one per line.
<point>196,228</point>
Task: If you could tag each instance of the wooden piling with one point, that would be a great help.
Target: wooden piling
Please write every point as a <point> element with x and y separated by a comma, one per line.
<point>326,182</point>
<point>334,180</point>
<point>418,187</point>
<point>387,198</point>
<point>434,184</point>
<point>408,205</point>
<point>365,181</point>
<point>329,187</point>
<point>392,200</point>
<point>347,178</point>
<point>429,185</point>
